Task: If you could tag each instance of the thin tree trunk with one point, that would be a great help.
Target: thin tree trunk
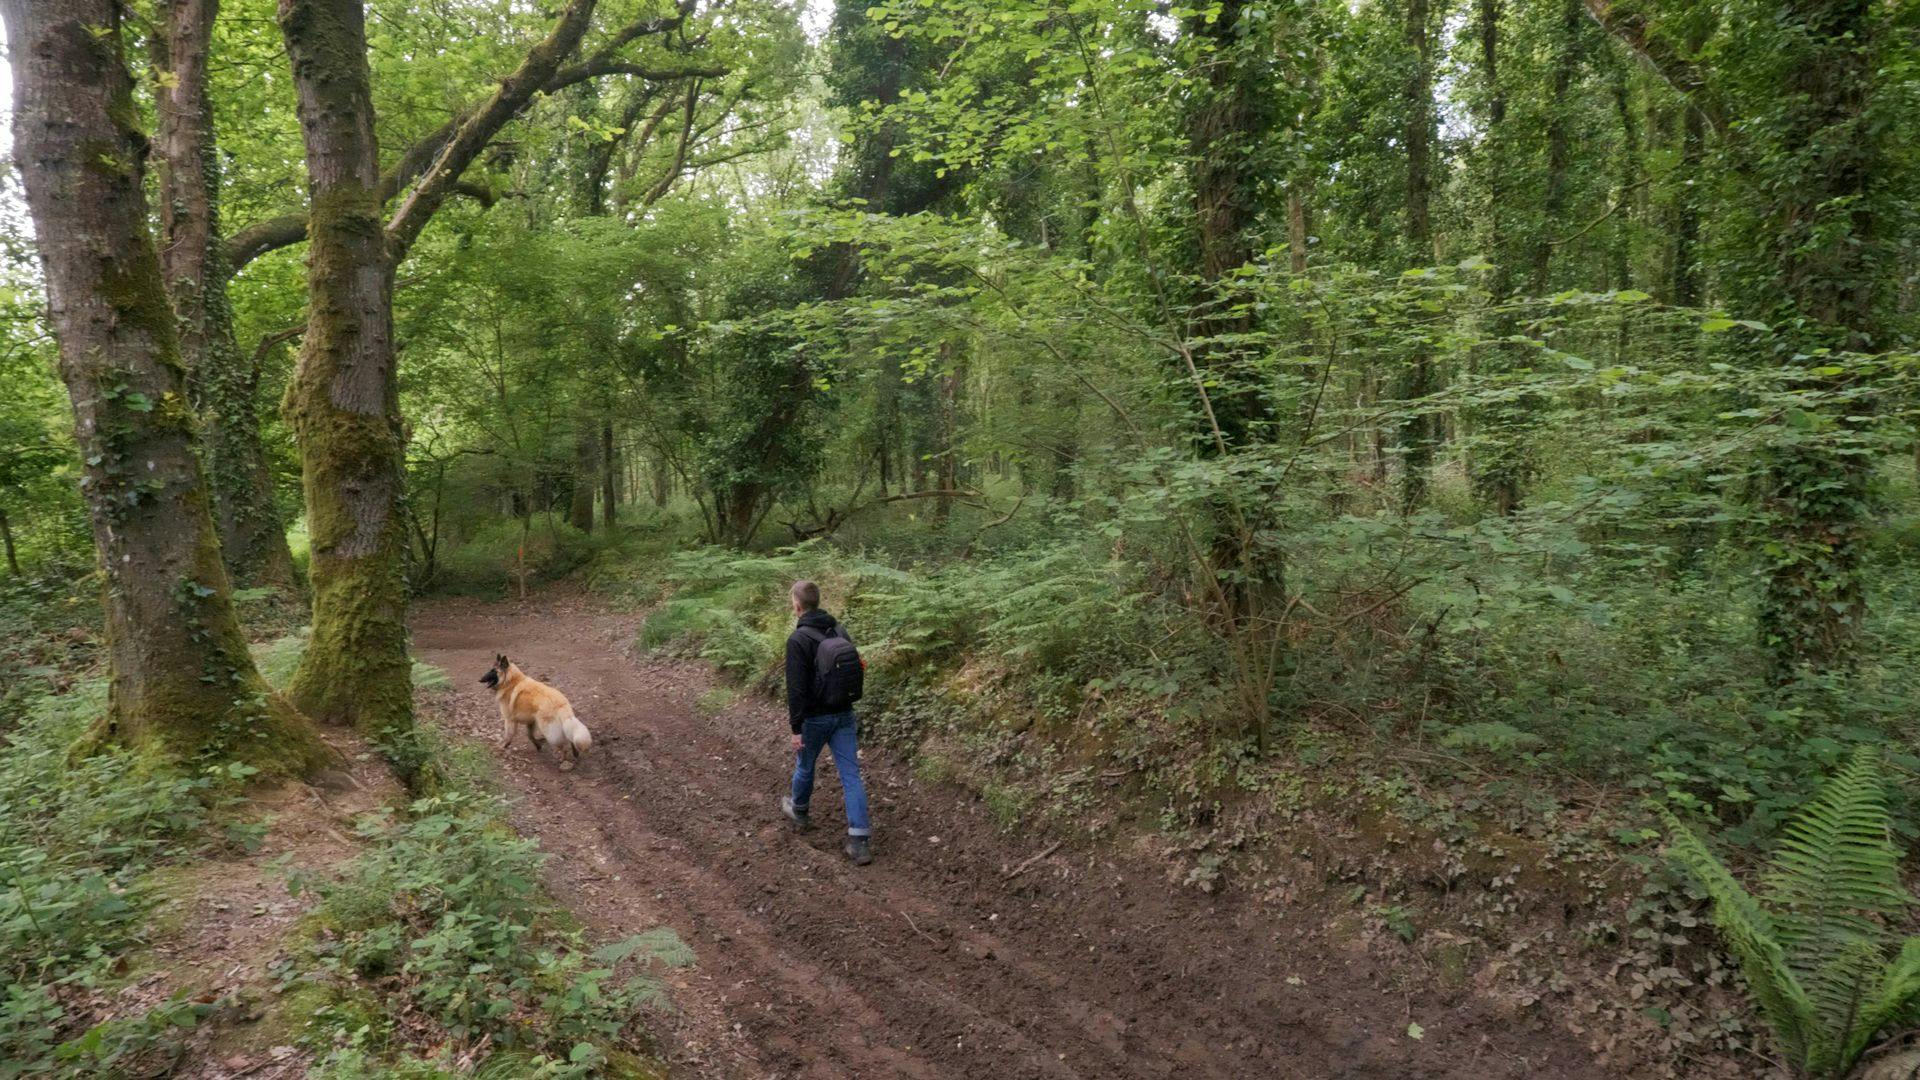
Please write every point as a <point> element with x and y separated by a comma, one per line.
<point>1417,384</point>
<point>1502,461</point>
<point>344,404</point>
<point>1296,230</point>
<point>1685,288</point>
<point>662,480</point>
<point>609,472</point>
<point>222,382</point>
<point>6,537</point>
<point>586,453</point>
<point>1553,204</point>
<point>949,450</point>
<point>181,678</point>
<point>1627,179</point>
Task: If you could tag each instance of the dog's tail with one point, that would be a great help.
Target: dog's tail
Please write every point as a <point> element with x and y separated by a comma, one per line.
<point>576,733</point>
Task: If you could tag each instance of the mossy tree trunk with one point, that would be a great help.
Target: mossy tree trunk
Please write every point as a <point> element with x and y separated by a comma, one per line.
<point>222,382</point>
<point>182,680</point>
<point>344,403</point>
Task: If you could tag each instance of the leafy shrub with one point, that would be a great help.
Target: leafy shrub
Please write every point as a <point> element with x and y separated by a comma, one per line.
<point>717,634</point>
<point>489,562</point>
<point>444,916</point>
<point>1821,958</point>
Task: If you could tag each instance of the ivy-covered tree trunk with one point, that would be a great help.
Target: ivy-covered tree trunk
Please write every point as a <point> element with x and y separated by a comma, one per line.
<point>343,403</point>
<point>1226,133</point>
<point>181,678</point>
<point>1499,461</point>
<point>1685,284</point>
<point>223,383</point>
<point>1553,203</point>
<point>1417,431</point>
<point>1815,158</point>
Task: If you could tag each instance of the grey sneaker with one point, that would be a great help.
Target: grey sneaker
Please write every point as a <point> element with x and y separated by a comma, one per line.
<point>860,850</point>
<point>798,817</point>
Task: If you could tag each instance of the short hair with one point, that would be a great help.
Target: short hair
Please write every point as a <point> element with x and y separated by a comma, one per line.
<point>807,594</point>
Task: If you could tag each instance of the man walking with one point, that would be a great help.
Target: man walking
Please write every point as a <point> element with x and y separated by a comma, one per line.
<point>824,679</point>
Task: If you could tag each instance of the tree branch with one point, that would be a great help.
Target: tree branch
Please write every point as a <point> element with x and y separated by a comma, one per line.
<point>480,126</point>
<point>1635,30</point>
<point>285,230</point>
<point>665,183</point>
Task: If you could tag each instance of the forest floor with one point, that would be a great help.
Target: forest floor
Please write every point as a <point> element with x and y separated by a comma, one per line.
<point>963,950</point>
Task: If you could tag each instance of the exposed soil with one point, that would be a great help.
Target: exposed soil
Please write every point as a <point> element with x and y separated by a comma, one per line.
<point>227,917</point>
<point>957,953</point>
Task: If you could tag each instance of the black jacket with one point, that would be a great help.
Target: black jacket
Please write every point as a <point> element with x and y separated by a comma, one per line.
<point>800,667</point>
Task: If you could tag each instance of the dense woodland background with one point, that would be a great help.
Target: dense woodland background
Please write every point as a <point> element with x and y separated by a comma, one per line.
<point>1506,406</point>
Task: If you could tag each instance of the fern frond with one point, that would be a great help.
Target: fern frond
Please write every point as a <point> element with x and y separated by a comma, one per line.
<point>1839,990</point>
<point>1897,998</point>
<point>1836,876</point>
<point>1754,940</point>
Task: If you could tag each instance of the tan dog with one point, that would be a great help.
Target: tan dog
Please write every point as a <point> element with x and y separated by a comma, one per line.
<point>543,711</point>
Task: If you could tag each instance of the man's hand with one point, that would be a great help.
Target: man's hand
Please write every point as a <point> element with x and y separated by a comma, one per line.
<point>796,742</point>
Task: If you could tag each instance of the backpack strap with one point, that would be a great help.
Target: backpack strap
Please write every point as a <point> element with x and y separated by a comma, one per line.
<point>817,637</point>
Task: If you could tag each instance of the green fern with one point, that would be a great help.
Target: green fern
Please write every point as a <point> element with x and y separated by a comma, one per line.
<point>1815,949</point>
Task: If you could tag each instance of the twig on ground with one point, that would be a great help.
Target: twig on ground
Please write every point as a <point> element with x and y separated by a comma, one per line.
<point>1031,859</point>
<point>917,929</point>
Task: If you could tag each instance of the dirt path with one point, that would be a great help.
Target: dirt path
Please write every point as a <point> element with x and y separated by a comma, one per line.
<point>931,962</point>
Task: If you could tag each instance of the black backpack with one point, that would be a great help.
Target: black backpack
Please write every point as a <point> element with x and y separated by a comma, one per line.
<point>839,675</point>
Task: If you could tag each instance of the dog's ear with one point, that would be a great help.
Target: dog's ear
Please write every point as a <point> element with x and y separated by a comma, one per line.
<point>500,661</point>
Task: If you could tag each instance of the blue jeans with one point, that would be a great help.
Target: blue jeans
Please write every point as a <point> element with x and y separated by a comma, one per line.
<point>837,733</point>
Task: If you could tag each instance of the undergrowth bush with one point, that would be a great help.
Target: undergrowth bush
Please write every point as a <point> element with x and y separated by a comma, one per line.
<point>1533,667</point>
<point>79,837</point>
<point>48,622</point>
<point>1057,634</point>
<point>489,562</point>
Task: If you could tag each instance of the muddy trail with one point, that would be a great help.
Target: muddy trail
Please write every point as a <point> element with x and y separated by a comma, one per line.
<point>956,953</point>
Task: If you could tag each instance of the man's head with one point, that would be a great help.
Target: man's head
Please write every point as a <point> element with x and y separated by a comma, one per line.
<point>806,597</point>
